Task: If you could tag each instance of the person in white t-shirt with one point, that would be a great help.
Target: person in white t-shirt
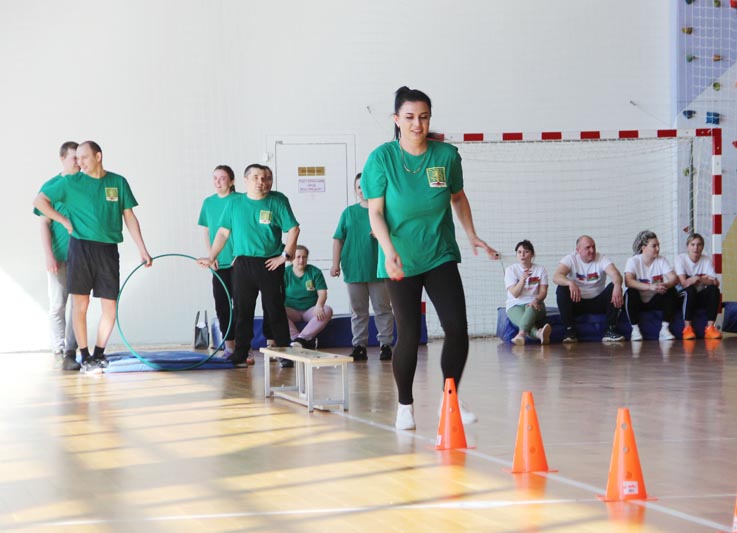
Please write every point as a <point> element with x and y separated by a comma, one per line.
<point>650,282</point>
<point>527,287</point>
<point>699,287</point>
<point>582,288</point>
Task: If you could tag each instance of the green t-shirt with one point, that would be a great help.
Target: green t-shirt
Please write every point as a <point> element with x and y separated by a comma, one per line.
<point>360,253</point>
<point>212,209</point>
<point>95,205</point>
<point>59,234</point>
<point>417,205</point>
<point>301,293</point>
<point>256,226</point>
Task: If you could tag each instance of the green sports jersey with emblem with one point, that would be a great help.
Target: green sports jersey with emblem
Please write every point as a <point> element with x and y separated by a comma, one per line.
<point>301,292</point>
<point>417,209</point>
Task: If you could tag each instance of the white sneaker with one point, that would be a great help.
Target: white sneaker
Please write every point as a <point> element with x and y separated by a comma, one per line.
<point>544,334</point>
<point>405,417</point>
<point>519,340</point>
<point>636,334</point>
<point>665,334</point>
<point>467,417</point>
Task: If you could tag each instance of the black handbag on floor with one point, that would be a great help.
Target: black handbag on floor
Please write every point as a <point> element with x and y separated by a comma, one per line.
<point>201,333</point>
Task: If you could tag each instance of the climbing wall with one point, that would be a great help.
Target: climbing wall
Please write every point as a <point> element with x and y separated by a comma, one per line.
<point>707,98</point>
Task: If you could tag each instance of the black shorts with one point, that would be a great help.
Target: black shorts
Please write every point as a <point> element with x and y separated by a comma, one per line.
<point>93,266</point>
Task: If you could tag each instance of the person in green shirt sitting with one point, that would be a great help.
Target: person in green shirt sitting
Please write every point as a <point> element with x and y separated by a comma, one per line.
<point>306,294</point>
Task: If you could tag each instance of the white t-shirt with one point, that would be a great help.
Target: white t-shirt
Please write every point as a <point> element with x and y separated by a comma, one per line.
<point>512,275</point>
<point>655,273</point>
<point>685,267</point>
<point>590,277</point>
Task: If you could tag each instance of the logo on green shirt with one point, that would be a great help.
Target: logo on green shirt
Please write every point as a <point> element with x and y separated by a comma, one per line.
<point>436,177</point>
<point>111,194</point>
<point>310,285</point>
<point>264,217</point>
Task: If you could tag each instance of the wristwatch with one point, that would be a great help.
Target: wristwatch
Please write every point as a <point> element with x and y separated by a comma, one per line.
<point>286,255</point>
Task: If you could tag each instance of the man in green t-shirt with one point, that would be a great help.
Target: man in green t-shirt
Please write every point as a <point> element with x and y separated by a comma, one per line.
<point>55,242</point>
<point>98,202</point>
<point>255,222</point>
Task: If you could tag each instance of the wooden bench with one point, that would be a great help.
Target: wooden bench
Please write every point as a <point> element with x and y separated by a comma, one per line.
<point>303,391</point>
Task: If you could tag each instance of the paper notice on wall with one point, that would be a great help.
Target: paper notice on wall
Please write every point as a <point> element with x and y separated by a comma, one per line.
<point>310,185</point>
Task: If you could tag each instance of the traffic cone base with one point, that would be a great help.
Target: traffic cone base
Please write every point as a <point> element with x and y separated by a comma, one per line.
<point>529,452</point>
<point>451,434</point>
<point>625,481</point>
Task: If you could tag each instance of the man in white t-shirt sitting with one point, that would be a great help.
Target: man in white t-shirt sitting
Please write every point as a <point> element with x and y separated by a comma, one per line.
<point>582,288</point>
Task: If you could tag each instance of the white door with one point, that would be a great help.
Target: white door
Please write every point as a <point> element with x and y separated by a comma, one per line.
<point>316,174</point>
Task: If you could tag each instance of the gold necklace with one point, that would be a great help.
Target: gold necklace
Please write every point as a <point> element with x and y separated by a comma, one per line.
<point>404,163</point>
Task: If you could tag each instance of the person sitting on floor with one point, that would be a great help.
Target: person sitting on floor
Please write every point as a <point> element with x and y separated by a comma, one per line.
<point>699,287</point>
<point>306,293</point>
<point>527,287</point>
<point>582,288</point>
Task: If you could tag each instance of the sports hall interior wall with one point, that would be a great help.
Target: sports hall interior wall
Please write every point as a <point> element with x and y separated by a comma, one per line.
<point>172,88</point>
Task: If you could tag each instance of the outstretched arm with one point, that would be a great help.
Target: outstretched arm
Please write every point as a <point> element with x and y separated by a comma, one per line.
<point>462,210</point>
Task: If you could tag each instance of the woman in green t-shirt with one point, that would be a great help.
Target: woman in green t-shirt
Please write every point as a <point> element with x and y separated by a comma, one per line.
<point>411,184</point>
<point>305,293</point>
<point>223,180</point>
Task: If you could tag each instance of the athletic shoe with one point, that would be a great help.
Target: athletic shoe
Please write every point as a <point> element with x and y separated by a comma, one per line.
<point>665,334</point>
<point>612,335</point>
<point>385,353</point>
<point>405,417</point>
<point>250,359</point>
<point>570,337</point>
<point>467,417</point>
<point>712,333</point>
<point>69,362</point>
<point>688,333</point>
<point>58,356</point>
<point>519,340</point>
<point>359,353</point>
<point>286,363</point>
<point>239,361</point>
<point>299,342</point>
<point>94,365</point>
<point>544,334</point>
<point>636,334</point>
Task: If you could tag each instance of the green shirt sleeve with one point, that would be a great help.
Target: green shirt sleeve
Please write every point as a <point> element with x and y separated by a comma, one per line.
<point>340,231</point>
<point>374,179</point>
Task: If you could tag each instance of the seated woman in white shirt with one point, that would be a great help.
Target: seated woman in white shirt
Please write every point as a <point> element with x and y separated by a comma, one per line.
<point>699,287</point>
<point>650,282</point>
<point>527,287</point>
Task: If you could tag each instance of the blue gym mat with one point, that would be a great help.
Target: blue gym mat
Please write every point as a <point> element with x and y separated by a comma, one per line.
<point>167,360</point>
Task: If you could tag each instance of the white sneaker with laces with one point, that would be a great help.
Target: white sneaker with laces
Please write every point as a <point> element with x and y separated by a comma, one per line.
<point>665,334</point>
<point>636,334</point>
<point>405,417</point>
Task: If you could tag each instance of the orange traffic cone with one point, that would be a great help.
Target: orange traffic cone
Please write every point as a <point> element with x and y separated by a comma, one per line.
<point>529,453</point>
<point>625,475</point>
<point>450,431</point>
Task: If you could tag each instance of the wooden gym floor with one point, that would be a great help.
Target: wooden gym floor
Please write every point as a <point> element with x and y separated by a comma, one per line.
<point>204,451</point>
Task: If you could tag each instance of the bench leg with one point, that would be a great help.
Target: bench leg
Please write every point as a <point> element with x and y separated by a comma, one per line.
<point>344,374</point>
<point>267,376</point>
<point>309,387</point>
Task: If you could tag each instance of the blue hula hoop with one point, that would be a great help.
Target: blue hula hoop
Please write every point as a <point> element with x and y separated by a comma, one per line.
<point>151,363</point>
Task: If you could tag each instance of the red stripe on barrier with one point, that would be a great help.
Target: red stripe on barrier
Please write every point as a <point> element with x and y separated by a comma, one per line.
<point>703,132</point>
<point>717,259</point>
<point>473,137</point>
<point>716,141</point>
<point>590,135</point>
<point>716,224</point>
<point>716,184</point>
<point>667,133</point>
<point>629,134</point>
<point>511,136</point>
<point>551,136</point>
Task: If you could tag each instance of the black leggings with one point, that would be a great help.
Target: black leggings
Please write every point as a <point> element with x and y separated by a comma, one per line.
<point>665,302</point>
<point>222,305</point>
<point>707,298</point>
<point>445,289</point>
